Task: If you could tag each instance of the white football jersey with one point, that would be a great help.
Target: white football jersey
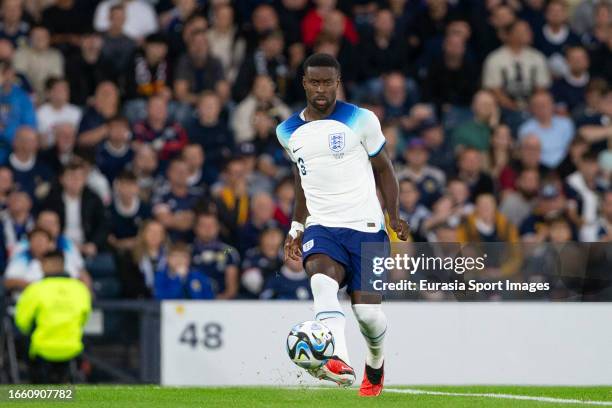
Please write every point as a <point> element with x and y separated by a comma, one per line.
<point>333,158</point>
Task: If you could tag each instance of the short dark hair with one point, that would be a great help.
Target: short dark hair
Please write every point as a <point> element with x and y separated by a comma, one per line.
<point>74,164</point>
<point>156,38</point>
<point>127,175</point>
<point>52,81</point>
<point>54,254</point>
<point>590,155</point>
<point>38,230</point>
<point>180,247</point>
<point>321,60</point>
<point>120,119</point>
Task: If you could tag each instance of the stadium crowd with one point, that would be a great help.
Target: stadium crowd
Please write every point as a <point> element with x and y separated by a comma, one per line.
<point>138,136</point>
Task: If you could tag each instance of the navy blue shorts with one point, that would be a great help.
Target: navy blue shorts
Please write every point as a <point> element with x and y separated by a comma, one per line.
<point>344,245</point>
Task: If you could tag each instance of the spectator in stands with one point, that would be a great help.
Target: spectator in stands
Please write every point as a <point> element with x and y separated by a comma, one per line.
<point>555,36</point>
<point>515,71</point>
<point>167,137</point>
<point>75,265</point>
<point>219,261</point>
<point>470,170</point>
<point>268,60</point>
<point>263,19</point>
<point>81,211</point>
<point>527,156</point>
<point>7,53</point>
<point>38,61</point>
<point>115,153</point>
<point>95,180</point>
<point>17,221</point>
<point>149,253</point>
<point>595,126</point>
<point>193,154</point>
<point>291,283</point>
<point>518,204</point>
<point>261,263</point>
<point>67,20</point>
<point>569,90</point>
<point>476,133</point>
<point>196,70</point>
<point>555,132</point>
<point>24,265</point>
<point>428,22</point>
<point>174,206</point>
<point>262,96</point>
<point>383,51</point>
<point>284,196</point>
<point>62,151</point>
<point>16,109</point>
<point>148,73</point>
<point>429,180</point>
<point>29,172</point>
<point>487,224</point>
<point>270,157</point>
<point>551,203</point>
<point>127,212</point>
<point>226,42</point>
<point>117,47</point>
<point>441,153</point>
<point>290,15</point>
<point>87,69</point>
<point>500,152</point>
<point>13,25</point>
<point>399,98</point>
<point>314,20</point>
<point>56,110</point>
<point>411,210</point>
<point>178,38</point>
<point>145,166</point>
<point>177,279</point>
<point>53,312</point>
<point>452,79</point>
<point>261,217</point>
<point>569,165</point>
<point>587,186</point>
<point>93,128</point>
<point>140,18</point>
<point>211,131</point>
<point>6,185</point>
<point>604,232</point>
<point>173,19</point>
<point>601,57</point>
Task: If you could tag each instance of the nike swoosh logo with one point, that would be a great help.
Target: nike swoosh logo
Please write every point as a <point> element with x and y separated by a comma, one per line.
<point>297,149</point>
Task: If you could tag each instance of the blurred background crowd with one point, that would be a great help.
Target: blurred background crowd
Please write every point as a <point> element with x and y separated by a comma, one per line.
<point>138,136</point>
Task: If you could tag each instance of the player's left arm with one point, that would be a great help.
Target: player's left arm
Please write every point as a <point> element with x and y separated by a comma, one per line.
<point>387,183</point>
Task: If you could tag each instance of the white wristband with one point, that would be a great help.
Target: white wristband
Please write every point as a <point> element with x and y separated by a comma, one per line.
<point>295,228</point>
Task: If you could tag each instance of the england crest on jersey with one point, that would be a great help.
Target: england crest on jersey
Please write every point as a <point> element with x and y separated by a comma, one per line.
<point>336,142</point>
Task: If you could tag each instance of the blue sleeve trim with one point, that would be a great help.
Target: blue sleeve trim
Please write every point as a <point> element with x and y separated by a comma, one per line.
<point>378,150</point>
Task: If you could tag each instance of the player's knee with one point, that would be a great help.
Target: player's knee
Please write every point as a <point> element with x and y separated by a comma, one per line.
<point>320,264</point>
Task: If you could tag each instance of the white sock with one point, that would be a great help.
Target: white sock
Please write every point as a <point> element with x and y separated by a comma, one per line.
<point>328,311</point>
<point>373,324</point>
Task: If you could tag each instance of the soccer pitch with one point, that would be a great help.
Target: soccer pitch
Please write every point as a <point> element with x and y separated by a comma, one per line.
<point>393,396</point>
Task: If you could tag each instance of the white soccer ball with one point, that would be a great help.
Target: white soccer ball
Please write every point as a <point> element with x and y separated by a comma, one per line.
<point>310,344</point>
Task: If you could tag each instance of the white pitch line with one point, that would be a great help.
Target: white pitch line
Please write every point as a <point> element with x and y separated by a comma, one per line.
<point>501,396</point>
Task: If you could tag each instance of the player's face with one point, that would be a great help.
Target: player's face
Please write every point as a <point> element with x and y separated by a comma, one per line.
<point>320,85</point>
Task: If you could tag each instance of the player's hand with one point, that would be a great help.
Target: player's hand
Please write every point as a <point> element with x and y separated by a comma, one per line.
<point>401,228</point>
<point>293,247</point>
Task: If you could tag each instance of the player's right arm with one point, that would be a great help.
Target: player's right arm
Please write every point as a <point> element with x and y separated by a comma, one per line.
<point>293,242</point>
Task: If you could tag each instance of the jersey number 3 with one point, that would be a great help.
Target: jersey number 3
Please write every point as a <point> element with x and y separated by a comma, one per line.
<point>302,166</point>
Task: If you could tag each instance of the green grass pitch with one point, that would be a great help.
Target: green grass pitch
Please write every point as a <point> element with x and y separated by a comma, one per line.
<point>87,396</point>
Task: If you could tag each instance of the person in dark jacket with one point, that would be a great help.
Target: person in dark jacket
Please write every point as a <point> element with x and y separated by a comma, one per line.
<point>81,211</point>
<point>176,279</point>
